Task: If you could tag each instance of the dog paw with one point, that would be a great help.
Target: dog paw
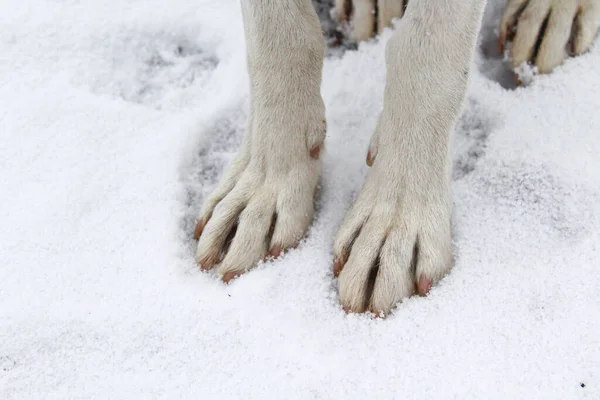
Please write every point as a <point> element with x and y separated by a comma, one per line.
<point>396,238</point>
<point>545,32</point>
<point>361,19</point>
<point>263,205</point>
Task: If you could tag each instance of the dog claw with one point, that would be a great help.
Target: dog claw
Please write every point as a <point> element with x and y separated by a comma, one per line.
<point>198,230</point>
<point>275,252</point>
<point>424,285</point>
<point>315,151</point>
<point>338,265</point>
<point>228,276</point>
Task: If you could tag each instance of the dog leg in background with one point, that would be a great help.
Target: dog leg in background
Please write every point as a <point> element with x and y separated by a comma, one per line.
<point>364,18</point>
<point>264,202</point>
<point>387,10</point>
<point>545,32</point>
<point>396,237</point>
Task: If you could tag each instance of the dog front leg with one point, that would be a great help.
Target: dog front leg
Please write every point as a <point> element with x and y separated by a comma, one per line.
<point>264,203</point>
<point>398,230</point>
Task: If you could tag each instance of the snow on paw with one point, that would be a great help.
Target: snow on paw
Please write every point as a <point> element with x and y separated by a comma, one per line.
<point>393,242</point>
<point>544,33</point>
<point>361,19</point>
<point>264,203</point>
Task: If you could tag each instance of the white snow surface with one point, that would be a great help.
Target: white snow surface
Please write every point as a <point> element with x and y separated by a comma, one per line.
<point>117,119</point>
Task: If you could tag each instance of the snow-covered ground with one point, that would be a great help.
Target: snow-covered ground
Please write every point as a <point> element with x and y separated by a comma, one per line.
<point>117,118</point>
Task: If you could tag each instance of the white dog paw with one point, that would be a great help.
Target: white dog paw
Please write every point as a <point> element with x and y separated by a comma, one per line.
<point>264,203</point>
<point>545,32</point>
<point>396,238</point>
<point>361,19</point>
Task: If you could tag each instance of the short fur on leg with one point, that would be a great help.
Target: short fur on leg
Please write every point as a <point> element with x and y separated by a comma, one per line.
<point>398,230</point>
<point>264,202</point>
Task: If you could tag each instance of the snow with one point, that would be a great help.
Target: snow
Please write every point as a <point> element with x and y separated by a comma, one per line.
<point>117,119</point>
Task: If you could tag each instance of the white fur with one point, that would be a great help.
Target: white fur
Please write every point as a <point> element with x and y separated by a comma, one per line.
<point>405,201</point>
<point>524,19</point>
<point>274,173</point>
